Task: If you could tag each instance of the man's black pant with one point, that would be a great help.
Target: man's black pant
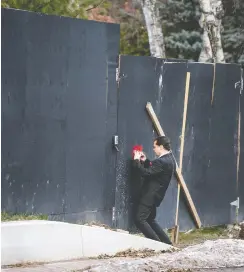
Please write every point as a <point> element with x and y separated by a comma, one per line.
<point>146,223</point>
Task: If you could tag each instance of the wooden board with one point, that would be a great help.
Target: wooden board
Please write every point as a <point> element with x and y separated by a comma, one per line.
<point>178,174</point>
<point>187,87</point>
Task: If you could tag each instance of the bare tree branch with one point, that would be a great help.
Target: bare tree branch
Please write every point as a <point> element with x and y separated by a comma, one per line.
<point>96,5</point>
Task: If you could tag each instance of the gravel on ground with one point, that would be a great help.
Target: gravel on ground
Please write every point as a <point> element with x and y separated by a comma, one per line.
<point>222,253</point>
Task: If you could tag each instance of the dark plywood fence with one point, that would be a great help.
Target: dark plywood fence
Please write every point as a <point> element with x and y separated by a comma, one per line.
<point>211,143</point>
<point>241,163</point>
<point>195,156</point>
<point>61,106</point>
<point>210,153</point>
<point>59,110</point>
<point>133,125</point>
<point>169,109</point>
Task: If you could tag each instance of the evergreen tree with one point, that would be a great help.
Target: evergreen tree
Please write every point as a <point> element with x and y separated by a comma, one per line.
<point>181,28</point>
<point>233,34</point>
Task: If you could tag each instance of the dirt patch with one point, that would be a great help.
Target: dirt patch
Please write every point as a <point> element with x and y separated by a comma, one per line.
<point>97,224</point>
<point>22,265</point>
<point>135,253</point>
<point>101,225</point>
<point>241,233</point>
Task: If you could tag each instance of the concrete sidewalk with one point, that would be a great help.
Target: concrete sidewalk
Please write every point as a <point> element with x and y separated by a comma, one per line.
<point>48,241</point>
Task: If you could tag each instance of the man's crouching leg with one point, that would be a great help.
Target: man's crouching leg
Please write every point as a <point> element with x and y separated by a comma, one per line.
<point>155,226</point>
<point>142,215</point>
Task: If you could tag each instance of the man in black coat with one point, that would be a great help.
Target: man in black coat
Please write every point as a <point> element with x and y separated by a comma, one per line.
<point>156,181</point>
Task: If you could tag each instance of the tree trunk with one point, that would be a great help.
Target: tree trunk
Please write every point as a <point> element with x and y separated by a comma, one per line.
<point>212,13</point>
<point>206,54</point>
<point>154,28</point>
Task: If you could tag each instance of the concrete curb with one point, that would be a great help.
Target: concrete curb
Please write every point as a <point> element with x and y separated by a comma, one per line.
<point>49,241</point>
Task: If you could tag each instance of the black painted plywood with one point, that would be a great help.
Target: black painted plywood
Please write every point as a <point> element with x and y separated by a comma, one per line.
<point>142,80</point>
<point>92,119</point>
<point>59,106</point>
<point>222,170</point>
<point>138,84</point>
<point>203,152</point>
<point>33,138</point>
<point>241,165</point>
<point>170,112</point>
<point>196,142</point>
<point>210,157</point>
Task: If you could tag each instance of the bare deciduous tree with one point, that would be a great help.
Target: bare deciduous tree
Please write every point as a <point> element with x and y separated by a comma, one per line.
<point>154,27</point>
<point>210,21</point>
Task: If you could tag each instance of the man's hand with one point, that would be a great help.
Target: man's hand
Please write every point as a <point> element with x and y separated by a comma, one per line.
<point>143,157</point>
<point>137,155</point>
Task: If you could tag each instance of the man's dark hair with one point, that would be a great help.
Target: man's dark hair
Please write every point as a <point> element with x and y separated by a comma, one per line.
<point>164,141</point>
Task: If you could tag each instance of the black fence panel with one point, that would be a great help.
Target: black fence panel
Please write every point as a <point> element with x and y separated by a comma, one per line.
<point>142,80</point>
<point>91,122</point>
<point>221,185</point>
<point>208,148</point>
<point>59,112</point>
<point>241,163</point>
<point>170,113</point>
<point>33,116</point>
<point>209,162</point>
<point>138,84</point>
<point>195,154</point>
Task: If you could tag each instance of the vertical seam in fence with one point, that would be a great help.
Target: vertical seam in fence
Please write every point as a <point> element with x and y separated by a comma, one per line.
<point>238,145</point>
<point>115,223</point>
<point>214,72</point>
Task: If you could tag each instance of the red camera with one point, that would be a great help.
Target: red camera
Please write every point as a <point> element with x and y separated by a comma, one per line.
<point>136,148</point>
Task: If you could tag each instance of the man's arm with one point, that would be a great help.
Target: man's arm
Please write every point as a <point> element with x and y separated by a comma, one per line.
<point>147,163</point>
<point>156,168</point>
